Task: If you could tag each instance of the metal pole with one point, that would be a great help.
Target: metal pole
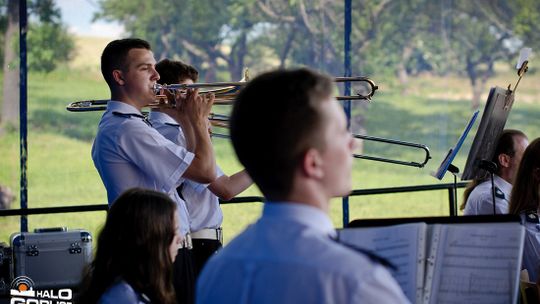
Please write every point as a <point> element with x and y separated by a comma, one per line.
<point>347,103</point>
<point>23,28</point>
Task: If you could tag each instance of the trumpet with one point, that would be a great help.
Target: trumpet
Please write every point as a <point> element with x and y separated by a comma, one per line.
<point>224,92</point>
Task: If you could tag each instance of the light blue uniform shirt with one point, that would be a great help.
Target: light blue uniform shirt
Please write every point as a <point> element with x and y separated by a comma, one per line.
<point>531,248</point>
<point>128,153</point>
<point>288,256</point>
<point>202,204</point>
<point>122,293</point>
<point>480,200</point>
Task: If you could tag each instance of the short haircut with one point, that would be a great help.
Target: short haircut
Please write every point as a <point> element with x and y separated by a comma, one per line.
<point>506,144</point>
<point>174,71</point>
<point>115,54</point>
<point>276,118</point>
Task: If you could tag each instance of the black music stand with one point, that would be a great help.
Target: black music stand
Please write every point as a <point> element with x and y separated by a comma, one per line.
<point>494,118</point>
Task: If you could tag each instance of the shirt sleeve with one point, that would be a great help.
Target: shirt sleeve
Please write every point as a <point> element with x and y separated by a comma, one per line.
<point>161,160</point>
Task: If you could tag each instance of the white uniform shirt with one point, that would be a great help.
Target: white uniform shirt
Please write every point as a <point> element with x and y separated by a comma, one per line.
<point>202,204</point>
<point>531,249</point>
<point>480,200</point>
<point>287,256</point>
<point>128,153</point>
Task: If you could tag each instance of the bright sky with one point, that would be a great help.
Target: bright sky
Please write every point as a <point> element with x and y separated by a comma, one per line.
<point>77,14</point>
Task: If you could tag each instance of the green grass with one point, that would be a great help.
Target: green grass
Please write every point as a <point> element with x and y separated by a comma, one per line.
<point>61,173</point>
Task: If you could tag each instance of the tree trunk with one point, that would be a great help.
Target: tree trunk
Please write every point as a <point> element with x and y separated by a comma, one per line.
<point>10,105</point>
<point>402,74</point>
<point>238,54</point>
<point>476,87</point>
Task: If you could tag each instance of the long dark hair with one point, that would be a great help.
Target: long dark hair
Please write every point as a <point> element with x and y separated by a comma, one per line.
<point>506,144</point>
<point>134,246</point>
<point>525,194</point>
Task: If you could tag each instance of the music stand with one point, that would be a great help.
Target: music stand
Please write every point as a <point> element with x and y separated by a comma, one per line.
<point>446,164</point>
<point>447,161</point>
<point>496,111</point>
<point>494,118</point>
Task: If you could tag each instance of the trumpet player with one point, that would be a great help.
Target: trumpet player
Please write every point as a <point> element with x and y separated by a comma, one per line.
<point>127,152</point>
<point>202,200</point>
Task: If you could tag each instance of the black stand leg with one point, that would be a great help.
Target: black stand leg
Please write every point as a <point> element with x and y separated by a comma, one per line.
<point>454,170</point>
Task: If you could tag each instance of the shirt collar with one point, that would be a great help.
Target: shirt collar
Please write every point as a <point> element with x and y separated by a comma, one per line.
<point>502,184</point>
<point>121,107</point>
<point>304,214</point>
<point>161,117</point>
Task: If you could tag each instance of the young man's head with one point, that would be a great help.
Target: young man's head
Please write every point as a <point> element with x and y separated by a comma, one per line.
<point>128,66</point>
<point>176,71</point>
<point>288,130</point>
<point>508,152</point>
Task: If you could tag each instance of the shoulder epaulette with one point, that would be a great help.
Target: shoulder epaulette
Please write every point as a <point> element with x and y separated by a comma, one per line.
<point>172,124</point>
<point>128,115</point>
<point>531,216</point>
<point>499,193</point>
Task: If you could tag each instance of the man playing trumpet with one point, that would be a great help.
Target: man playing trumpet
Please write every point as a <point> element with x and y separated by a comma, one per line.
<point>128,152</point>
<point>205,215</point>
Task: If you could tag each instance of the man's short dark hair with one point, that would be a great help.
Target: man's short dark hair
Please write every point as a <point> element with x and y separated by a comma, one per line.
<point>276,118</point>
<point>174,71</point>
<point>506,144</point>
<point>115,54</point>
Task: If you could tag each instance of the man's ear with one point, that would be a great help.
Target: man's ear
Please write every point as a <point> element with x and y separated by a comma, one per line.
<point>118,77</point>
<point>505,160</point>
<point>312,164</point>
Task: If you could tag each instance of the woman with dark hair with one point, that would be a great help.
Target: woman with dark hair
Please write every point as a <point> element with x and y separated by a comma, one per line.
<point>525,202</point>
<point>135,251</point>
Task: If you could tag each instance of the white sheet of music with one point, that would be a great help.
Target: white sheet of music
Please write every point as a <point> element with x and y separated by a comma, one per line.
<point>403,245</point>
<point>474,263</point>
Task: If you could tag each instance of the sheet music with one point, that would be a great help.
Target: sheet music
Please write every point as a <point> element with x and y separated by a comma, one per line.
<point>476,263</point>
<point>403,245</point>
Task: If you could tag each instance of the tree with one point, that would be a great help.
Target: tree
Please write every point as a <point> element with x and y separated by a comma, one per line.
<point>202,32</point>
<point>10,101</point>
<point>48,44</point>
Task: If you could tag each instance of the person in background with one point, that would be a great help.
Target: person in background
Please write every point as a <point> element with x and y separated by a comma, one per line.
<point>478,197</point>
<point>299,159</point>
<point>525,202</point>
<point>202,200</point>
<point>135,252</point>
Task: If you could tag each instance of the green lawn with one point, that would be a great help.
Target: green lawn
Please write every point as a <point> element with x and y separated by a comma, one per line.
<point>434,113</point>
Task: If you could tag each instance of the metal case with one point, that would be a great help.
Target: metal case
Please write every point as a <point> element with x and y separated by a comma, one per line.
<point>51,257</point>
<point>5,268</point>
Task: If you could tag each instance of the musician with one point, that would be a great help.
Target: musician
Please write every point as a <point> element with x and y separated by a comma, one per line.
<point>478,197</point>
<point>205,215</point>
<point>300,158</point>
<point>135,250</point>
<point>128,152</point>
<point>525,201</point>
